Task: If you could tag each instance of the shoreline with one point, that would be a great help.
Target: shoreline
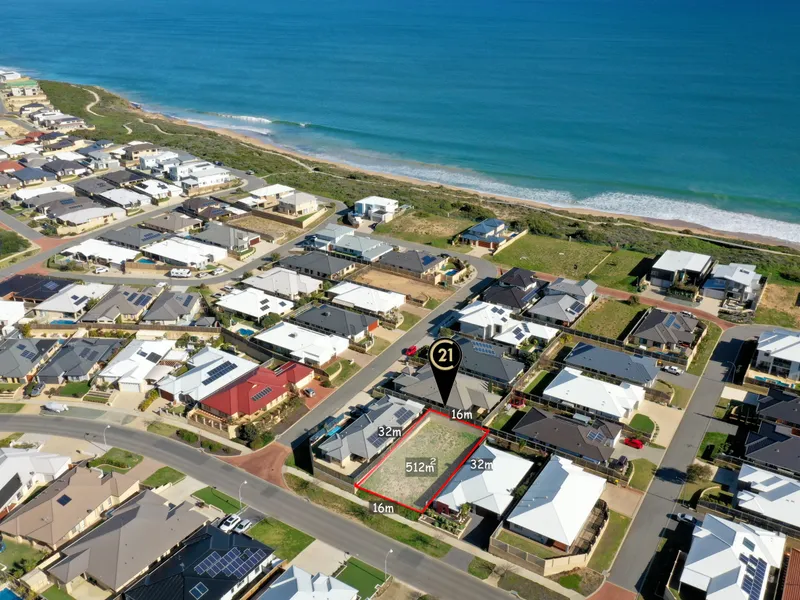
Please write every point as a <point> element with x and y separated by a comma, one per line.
<point>675,225</point>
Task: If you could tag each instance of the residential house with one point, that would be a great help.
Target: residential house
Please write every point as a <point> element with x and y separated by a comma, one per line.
<point>557,307</point>
<point>22,470</point>
<point>211,564</point>
<point>270,195</point>
<point>343,240</point>
<point>32,288</point>
<point>768,495</point>
<point>377,209</point>
<point>235,241</point>
<point>125,198</point>
<point>778,353</point>
<point>122,548</point>
<point>573,389</point>
<point>70,302</point>
<point>253,304</point>
<point>297,204</point>
<point>8,182</point>
<point>319,264</point>
<point>134,152</point>
<point>485,483</point>
<point>122,305</point>
<point>33,176</point>
<point>210,370</point>
<point>370,300</point>
<point>668,331</point>
<point>124,178</point>
<point>173,308</point>
<point>679,267</point>
<point>87,218</point>
<point>185,253</point>
<point>783,409</point>
<point>496,323</point>
<point>640,370</point>
<point>557,505</point>
<point>152,161</point>
<point>133,238</point>
<point>172,222</point>
<point>774,446</point>
<point>338,321</point>
<point>487,361</point>
<point>11,313</point>
<point>515,289</point>
<point>415,263</point>
<point>10,166</point>
<point>157,190</point>
<point>285,283</point>
<point>468,393</point>
<point>262,391</point>
<point>489,233</point>
<point>730,560</point>
<point>361,440</point>
<point>78,360</point>
<point>21,358</point>
<point>92,187</point>
<point>737,282</point>
<point>301,344</point>
<point>59,205</point>
<point>206,179</point>
<point>139,365</point>
<point>92,250</point>
<point>591,440</point>
<point>207,209</point>
<point>24,196</point>
<point>297,584</point>
<point>101,161</point>
<point>65,168</point>
<point>584,291</point>
<point>7,76</point>
<point>72,504</point>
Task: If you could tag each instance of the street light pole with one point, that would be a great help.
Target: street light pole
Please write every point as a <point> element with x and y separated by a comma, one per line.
<point>240,493</point>
<point>104,435</point>
<point>386,565</point>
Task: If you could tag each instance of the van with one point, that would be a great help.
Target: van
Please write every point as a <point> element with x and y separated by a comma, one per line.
<point>179,273</point>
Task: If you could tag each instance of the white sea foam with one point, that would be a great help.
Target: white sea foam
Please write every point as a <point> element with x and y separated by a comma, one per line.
<point>245,118</point>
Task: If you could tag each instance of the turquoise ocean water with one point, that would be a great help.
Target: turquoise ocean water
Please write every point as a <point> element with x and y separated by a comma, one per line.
<point>666,108</point>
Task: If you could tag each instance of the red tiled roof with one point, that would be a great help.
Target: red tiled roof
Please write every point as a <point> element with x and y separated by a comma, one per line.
<point>791,586</point>
<point>239,398</point>
<point>295,372</point>
<point>10,165</point>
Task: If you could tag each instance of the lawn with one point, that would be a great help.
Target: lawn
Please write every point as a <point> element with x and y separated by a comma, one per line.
<point>690,490</point>
<point>551,255</point>
<point>609,543</point>
<point>287,541</point>
<point>622,269</point>
<point>539,383</point>
<point>162,429</point>
<point>342,370</point>
<point>56,593</point>
<point>163,476</point>
<point>680,395</point>
<point>774,316</point>
<point>74,389</point>
<point>643,472</point>
<point>480,568</point>
<point>610,318</point>
<point>432,303</point>
<point>409,320</point>
<point>116,459</point>
<point>379,345</point>
<point>642,423</point>
<point>16,552</point>
<point>7,441</point>
<point>383,525</point>
<point>523,543</point>
<point>525,588</point>
<point>361,576</point>
<point>432,230</point>
<point>703,353</point>
<point>9,387</point>
<point>97,399</point>
<point>6,408</point>
<point>571,582</point>
<point>216,498</point>
<point>713,443</point>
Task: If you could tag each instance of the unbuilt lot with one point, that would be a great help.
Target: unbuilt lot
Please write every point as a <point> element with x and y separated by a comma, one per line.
<point>435,436</point>
<point>404,285</point>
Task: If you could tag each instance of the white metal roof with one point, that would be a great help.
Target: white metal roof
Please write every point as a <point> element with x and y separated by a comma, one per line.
<point>681,260</point>
<point>201,380</point>
<point>780,343</point>
<point>182,250</point>
<point>103,250</point>
<point>153,187</point>
<point>490,488</point>
<point>716,560</point>
<point>254,303</point>
<point>29,463</point>
<point>387,204</point>
<point>11,312</point>
<point>769,494</point>
<point>297,584</point>
<point>68,155</point>
<point>123,197</point>
<point>302,343</point>
<point>484,314</point>
<point>523,330</point>
<point>377,301</point>
<point>137,361</point>
<point>559,501</point>
<point>29,193</point>
<point>571,386</point>
<point>739,273</point>
<point>80,217</point>
<point>284,281</point>
<point>73,298</point>
<point>271,190</point>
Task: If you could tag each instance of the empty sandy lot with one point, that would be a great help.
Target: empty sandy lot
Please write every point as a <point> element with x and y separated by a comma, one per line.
<point>396,283</point>
<point>266,226</point>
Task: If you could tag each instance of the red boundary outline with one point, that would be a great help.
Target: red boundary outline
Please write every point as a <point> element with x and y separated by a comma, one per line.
<point>359,486</point>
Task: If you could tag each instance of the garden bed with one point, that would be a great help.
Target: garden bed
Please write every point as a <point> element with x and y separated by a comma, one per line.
<point>192,439</point>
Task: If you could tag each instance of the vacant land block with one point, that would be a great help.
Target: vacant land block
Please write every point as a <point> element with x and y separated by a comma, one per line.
<point>403,285</point>
<point>611,318</point>
<point>434,440</point>
<point>622,269</point>
<point>551,255</point>
<point>429,229</point>
<point>780,305</point>
<point>265,226</point>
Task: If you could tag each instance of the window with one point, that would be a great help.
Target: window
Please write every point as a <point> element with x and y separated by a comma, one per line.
<point>748,544</point>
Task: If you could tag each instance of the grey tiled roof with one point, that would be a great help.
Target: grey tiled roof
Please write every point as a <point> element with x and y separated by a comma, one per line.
<point>79,356</point>
<point>666,328</point>
<point>18,357</point>
<point>411,260</point>
<point>636,369</point>
<point>317,262</point>
<point>336,320</point>
<point>171,306</point>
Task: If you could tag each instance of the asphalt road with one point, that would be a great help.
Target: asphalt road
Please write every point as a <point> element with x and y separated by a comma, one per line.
<point>631,565</point>
<point>434,576</point>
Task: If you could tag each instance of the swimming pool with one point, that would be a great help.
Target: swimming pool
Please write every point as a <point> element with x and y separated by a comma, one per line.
<point>7,594</point>
<point>245,332</point>
<point>146,261</point>
<point>60,322</point>
<point>451,272</point>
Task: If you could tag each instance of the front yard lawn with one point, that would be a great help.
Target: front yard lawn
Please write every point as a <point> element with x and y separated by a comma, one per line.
<point>379,345</point>
<point>642,423</point>
<point>163,476</point>
<point>116,459</point>
<point>361,576</point>
<point>342,370</point>
<point>74,389</point>
<point>610,318</point>
<point>552,255</point>
<point>643,472</point>
<point>713,443</point>
<point>705,350</point>
<point>409,320</point>
<point>7,408</point>
<point>9,387</point>
<point>609,543</point>
<point>287,541</point>
<point>216,498</point>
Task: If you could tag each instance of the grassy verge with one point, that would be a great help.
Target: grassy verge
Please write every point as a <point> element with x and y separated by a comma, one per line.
<point>7,408</point>
<point>523,543</point>
<point>9,387</point>
<point>342,370</point>
<point>525,588</point>
<point>643,472</point>
<point>681,397</point>
<point>384,525</point>
<point>690,492</point>
<point>642,423</point>
<point>116,459</point>
<point>612,318</point>
<point>379,345</point>
<point>216,498</point>
<point>609,543</point>
<point>432,303</point>
<point>713,443</point>
<point>480,568</point>
<point>409,320</point>
<point>287,541</point>
<point>8,440</point>
<point>703,353</point>
<point>164,476</point>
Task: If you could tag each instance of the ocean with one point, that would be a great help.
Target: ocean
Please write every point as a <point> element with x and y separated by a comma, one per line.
<point>674,109</point>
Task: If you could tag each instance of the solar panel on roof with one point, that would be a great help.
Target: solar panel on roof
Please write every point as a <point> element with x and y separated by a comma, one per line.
<point>21,346</point>
<point>84,352</point>
<point>375,440</point>
<point>198,591</point>
<point>218,372</point>
<point>484,348</point>
<point>82,300</point>
<point>153,357</point>
<point>132,297</point>
<point>50,285</point>
<point>262,393</point>
<point>187,301</point>
<point>596,436</point>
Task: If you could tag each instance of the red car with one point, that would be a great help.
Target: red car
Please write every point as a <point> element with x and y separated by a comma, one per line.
<point>633,443</point>
<point>411,351</point>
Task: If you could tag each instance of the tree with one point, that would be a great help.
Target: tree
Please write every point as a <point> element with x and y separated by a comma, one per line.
<point>92,303</point>
<point>247,274</point>
<point>25,329</point>
<point>696,473</point>
<point>248,432</point>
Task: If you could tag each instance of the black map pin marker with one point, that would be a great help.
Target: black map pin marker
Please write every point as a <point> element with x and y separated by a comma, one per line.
<point>445,357</point>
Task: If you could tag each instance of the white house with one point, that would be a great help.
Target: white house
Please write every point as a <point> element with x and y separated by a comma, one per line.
<point>303,345</point>
<point>6,76</point>
<point>157,190</point>
<point>254,304</point>
<point>735,281</point>
<point>102,252</point>
<point>71,301</point>
<point>680,266</point>
<point>297,584</point>
<point>778,353</point>
<point>555,508</point>
<point>94,215</point>
<point>270,194</point>
<point>379,302</point>
<point>23,470</point>
<point>186,253</point>
<point>137,365</point>
<point>210,370</point>
<point>28,194</point>
<point>574,389</point>
<point>731,561</point>
<point>284,282</point>
<point>125,198</point>
<point>376,208</point>
<point>486,482</point>
<point>768,494</point>
<point>11,312</point>
<point>492,322</point>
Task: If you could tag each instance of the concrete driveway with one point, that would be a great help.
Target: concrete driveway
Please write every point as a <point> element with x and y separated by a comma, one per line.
<point>320,557</point>
<point>665,417</point>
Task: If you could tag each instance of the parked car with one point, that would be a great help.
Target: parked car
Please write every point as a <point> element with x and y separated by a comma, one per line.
<point>686,518</point>
<point>673,370</point>
<point>218,163</point>
<point>309,392</point>
<point>411,351</point>
<point>229,523</point>
<point>161,284</point>
<point>633,443</point>
<point>243,526</point>
<point>180,273</point>
<point>686,313</point>
<point>218,271</point>
<point>249,172</point>
<point>100,270</point>
<point>622,462</point>
<point>56,407</point>
<point>202,274</point>
<point>37,390</point>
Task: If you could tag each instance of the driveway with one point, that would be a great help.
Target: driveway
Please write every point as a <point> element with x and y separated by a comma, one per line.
<point>320,557</point>
<point>665,417</point>
<point>266,463</point>
<point>622,500</point>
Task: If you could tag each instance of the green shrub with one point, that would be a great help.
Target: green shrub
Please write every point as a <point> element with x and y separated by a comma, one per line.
<point>189,437</point>
<point>211,445</point>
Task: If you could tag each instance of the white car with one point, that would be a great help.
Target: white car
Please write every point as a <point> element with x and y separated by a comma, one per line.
<point>161,284</point>
<point>56,407</point>
<point>99,270</point>
<point>229,523</point>
<point>243,526</point>
<point>218,271</point>
<point>672,370</point>
<point>687,518</point>
<point>180,273</point>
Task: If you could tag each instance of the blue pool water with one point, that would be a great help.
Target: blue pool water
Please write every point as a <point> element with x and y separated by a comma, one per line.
<point>451,272</point>
<point>7,594</point>
<point>60,322</point>
<point>146,261</point>
<point>246,332</point>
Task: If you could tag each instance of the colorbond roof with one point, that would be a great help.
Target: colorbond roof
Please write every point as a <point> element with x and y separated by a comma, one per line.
<point>681,260</point>
<point>637,369</point>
